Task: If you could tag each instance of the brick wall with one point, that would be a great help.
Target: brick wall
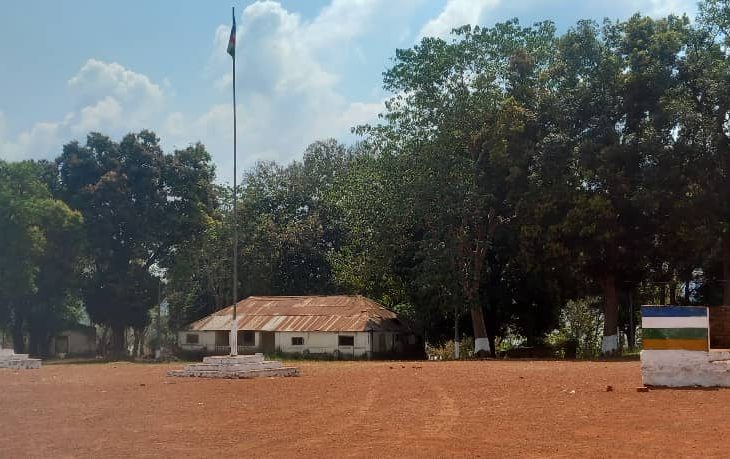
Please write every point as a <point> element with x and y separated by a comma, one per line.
<point>720,327</point>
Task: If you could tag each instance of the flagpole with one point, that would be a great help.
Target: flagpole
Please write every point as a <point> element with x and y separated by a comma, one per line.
<point>234,326</point>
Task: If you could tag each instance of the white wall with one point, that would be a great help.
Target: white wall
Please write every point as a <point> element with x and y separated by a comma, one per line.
<point>79,343</point>
<point>206,341</point>
<point>323,343</point>
<point>685,368</point>
<point>314,342</point>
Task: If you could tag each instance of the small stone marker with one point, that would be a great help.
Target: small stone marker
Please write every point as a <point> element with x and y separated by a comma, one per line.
<point>642,389</point>
<point>9,359</point>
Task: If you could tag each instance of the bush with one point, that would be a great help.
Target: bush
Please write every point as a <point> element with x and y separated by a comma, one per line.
<point>579,335</point>
<point>510,340</point>
<point>446,350</point>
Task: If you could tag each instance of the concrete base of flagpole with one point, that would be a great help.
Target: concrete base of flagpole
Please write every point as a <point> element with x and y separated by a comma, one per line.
<point>235,367</point>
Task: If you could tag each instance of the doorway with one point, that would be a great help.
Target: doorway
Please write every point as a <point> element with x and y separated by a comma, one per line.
<point>268,342</point>
<point>62,345</point>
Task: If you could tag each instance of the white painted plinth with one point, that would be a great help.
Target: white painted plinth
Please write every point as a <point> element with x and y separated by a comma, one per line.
<point>481,344</point>
<point>8,359</point>
<point>235,367</point>
<point>673,368</point>
<point>609,344</point>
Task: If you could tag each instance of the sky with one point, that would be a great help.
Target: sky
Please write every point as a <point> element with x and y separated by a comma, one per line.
<point>305,70</point>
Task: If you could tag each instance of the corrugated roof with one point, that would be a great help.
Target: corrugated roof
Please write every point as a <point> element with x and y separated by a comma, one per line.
<point>304,314</point>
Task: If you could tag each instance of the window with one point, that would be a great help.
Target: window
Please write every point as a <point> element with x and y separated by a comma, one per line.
<point>297,341</point>
<point>246,338</point>
<point>346,340</point>
<point>191,338</point>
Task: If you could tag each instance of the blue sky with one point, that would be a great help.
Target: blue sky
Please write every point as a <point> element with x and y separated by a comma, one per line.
<point>306,69</point>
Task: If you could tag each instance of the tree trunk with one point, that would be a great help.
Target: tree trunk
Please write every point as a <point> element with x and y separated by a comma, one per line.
<point>140,346</point>
<point>102,344</point>
<point>35,344</point>
<point>632,327</point>
<point>457,339</point>
<point>726,270</point>
<point>663,294</point>
<point>673,293</point>
<point>610,315</point>
<point>135,347</point>
<point>118,343</point>
<point>474,253</point>
<point>18,338</point>
<point>481,341</point>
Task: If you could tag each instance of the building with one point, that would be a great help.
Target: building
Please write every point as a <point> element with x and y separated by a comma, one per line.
<point>77,340</point>
<point>343,326</point>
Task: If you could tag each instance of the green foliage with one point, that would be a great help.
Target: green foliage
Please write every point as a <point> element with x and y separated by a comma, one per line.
<point>446,350</point>
<point>40,260</point>
<point>581,323</point>
<point>139,205</point>
<point>515,174</point>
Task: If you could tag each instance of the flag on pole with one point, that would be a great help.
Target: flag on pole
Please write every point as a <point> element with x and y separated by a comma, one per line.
<point>232,39</point>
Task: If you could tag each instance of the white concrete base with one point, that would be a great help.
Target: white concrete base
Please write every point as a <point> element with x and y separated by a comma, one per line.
<point>8,359</point>
<point>235,367</point>
<point>481,344</point>
<point>685,368</point>
<point>609,345</point>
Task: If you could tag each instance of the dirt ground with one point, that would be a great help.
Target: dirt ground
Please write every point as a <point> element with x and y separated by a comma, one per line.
<point>335,409</point>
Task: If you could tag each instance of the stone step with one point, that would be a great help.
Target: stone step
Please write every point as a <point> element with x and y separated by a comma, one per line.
<point>13,357</point>
<point>283,371</point>
<point>233,366</point>
<point>228,359</point>
<point>4,351</point>
<point>24,364</point>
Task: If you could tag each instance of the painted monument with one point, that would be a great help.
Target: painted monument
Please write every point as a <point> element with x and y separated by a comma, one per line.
<point>676,348</point>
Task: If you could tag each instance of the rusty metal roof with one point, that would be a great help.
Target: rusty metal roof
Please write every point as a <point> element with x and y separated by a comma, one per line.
<point>349,313</point>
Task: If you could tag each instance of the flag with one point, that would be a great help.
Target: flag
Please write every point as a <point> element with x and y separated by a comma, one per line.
<point>232,40</point>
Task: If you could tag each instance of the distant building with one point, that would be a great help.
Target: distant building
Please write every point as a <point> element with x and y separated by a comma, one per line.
<point>78,340</point>
<point>346,326</point>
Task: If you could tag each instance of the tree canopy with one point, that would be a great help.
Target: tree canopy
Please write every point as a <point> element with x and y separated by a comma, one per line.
<point>514,170</point>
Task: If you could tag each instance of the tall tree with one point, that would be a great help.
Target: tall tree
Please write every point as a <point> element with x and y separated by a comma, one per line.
<point>138,205</point>
<point>703,130</point>
<point>613,82</point>
<point>38,265</point>
<point>465,112</point>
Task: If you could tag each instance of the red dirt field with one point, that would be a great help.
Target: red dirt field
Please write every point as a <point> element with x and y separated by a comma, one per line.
<point>335,409</point>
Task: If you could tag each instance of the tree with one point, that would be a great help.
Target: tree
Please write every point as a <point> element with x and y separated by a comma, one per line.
<point>703,133</point>
<point>466,113</point>
<point>614,83</point>
<point>38,264</point>
<point>138,206</point>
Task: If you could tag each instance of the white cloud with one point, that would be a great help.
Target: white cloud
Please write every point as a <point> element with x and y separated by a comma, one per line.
<point>111,99</point>
<point>659,8</point>
<point>456,13</point>
<point>288,91</point>
<point>105,114</point>
<point>100,78</point>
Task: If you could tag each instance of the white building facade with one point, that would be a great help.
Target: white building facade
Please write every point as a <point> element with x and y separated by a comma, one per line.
<point>341,326</point>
